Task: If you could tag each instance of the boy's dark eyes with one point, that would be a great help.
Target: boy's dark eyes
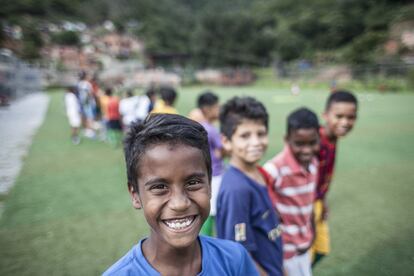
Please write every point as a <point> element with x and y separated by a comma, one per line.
<point>158,187</point>
<point>245,135</point>
<point>194,182</point>
<point>310,143</point>
<point>340,116</point>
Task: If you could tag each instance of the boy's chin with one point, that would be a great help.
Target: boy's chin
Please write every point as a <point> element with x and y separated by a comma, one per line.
<point>341,134</point>
<point>187,241</point>
<point>255,159</point>
<point>305,162</point>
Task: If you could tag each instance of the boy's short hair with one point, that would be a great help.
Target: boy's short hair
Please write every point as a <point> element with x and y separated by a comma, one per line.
<point>108,91</point>
<point>168,95</point>
<point>207,98</point>
<point>237,109</point>
<point>150,92</point>
<point>302,118</point>
<point>162,129</point>
<point>341,96</point>
<point>72,88</point>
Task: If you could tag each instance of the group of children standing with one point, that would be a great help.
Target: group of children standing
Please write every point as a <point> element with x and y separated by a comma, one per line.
<point>102,114</point>
<point>276,215</point>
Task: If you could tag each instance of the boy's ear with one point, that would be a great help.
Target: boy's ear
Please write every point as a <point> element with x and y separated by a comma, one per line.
<point>226,143</point>
<point>325,115</point>
<point>136,201</point>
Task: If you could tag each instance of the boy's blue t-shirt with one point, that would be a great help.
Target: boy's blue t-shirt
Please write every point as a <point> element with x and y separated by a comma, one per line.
<point>245,214</point>
<point>219,257</point>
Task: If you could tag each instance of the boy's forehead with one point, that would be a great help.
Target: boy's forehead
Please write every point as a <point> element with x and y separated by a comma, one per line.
<point>158,150</point>
<point>170,155</point>
<point>303,132</point>
<point>248,122</point>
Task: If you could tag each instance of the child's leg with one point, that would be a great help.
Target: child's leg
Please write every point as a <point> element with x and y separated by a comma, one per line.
<point>299,265</point>
<point>114,132</point>
<point>321,244</point>
<point>75,136</point>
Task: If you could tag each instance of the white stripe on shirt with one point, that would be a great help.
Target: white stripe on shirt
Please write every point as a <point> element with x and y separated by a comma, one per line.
<point>293,229</point>
<point>294,210</point>
<point>292,191</point>
<point>290,247</point>
<point>271,169</point>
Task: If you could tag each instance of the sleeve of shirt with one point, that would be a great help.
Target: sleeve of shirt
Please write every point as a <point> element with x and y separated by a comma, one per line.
<point>233,217</point>
<point>247,266</point>
<point>143,107</point>
<point>217,139</point>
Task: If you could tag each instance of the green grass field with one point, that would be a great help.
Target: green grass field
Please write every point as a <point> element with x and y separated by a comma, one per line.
<point>70,214</point>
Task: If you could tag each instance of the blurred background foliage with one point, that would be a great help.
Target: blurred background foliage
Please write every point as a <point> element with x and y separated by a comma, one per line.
<point>229,33</point>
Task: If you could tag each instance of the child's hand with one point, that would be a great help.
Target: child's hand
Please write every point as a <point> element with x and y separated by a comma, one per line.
<point>325,210</point>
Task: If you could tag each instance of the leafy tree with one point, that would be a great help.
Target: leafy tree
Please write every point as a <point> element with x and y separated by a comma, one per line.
<point>69,38</point>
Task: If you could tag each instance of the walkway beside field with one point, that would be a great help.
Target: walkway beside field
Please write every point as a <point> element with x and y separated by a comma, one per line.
<point>18,124</point>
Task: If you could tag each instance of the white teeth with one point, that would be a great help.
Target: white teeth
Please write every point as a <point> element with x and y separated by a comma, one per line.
<point>178,224</point>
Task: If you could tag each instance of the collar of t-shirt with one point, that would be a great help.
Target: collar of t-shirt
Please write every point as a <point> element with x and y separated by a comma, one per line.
<point>148,267</point>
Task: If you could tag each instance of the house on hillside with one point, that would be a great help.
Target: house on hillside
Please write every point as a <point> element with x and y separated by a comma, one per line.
<point>118,45</point>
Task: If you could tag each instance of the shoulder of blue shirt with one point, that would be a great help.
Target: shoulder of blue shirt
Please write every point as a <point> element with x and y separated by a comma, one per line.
<point>223,249</point>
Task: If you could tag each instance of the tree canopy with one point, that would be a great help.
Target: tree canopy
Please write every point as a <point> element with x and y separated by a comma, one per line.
<point>238,32</point>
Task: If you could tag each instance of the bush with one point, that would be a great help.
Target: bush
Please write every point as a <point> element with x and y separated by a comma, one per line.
<point>69,38</point>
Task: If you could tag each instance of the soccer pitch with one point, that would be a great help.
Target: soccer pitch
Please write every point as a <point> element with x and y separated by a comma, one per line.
<point>70,213</point>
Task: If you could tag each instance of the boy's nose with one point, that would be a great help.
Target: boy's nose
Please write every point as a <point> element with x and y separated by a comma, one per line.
<point>255,139</point>
<point>307,150</point>
<point>345,122</point>
<point>179,201</point>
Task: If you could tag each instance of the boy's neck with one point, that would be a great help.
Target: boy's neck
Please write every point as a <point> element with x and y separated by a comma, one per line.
<point>250,169</point>
<point>173,261</point>
<point>329,133</point>
<point>210,120</point>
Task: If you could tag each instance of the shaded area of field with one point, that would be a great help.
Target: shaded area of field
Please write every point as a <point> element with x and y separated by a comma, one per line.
<point>69,212</point>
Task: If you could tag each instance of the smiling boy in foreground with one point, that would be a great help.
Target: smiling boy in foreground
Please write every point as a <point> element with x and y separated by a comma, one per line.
<point>169,174</point>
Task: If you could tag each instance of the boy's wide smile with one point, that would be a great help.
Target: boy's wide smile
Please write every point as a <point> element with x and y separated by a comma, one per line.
<point>180,224</point>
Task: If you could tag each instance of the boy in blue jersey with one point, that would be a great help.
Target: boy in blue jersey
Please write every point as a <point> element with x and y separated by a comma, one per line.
<point>169,174</point>
<point>244,211</point>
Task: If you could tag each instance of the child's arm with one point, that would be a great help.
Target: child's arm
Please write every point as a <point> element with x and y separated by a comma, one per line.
<point>261,270</point>
<point>325,209</point>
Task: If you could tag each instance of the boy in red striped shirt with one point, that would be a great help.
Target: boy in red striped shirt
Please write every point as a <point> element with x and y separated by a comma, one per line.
<point>340,116</point>
<point>294,171</point>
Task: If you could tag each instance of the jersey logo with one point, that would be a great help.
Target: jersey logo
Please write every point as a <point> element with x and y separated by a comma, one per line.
<point>265,214</point>
<point>240,232</point>
<point>275,233</point>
